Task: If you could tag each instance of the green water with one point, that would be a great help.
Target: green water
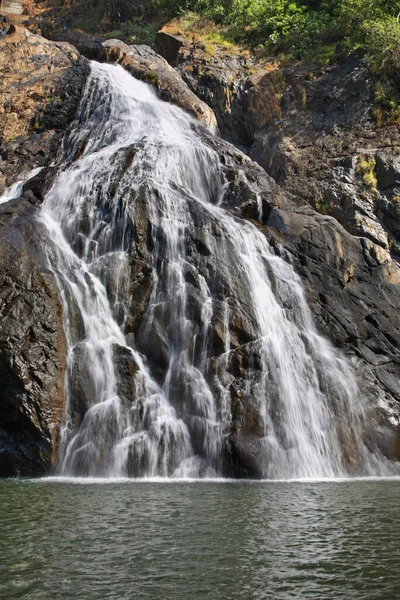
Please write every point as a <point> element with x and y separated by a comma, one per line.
<point>184,541</point>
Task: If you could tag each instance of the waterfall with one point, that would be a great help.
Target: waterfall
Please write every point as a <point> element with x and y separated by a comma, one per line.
<point>139,198</point>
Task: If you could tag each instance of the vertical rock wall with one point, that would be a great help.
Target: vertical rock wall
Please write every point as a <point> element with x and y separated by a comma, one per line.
<point>41,83</point>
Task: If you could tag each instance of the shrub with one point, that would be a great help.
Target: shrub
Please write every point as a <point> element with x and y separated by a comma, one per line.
<point>366,168</point>
<point>303,27</point>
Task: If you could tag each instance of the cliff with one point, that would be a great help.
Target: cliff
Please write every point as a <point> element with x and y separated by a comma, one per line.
<point>312,137</point>
<point>41,83</point>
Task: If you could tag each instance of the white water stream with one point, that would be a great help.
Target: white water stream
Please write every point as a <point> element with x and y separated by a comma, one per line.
<point>127,144</point>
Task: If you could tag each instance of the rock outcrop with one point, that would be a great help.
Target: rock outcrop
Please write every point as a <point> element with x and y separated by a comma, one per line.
<point>314,130</point>
<point>41,85</point>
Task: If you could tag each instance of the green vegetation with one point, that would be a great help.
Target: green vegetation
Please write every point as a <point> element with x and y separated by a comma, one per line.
<point>366,168</point>
<point>299,28</point>
<point>137,31</point>
<point>316,31</point>
<point>294,29</point>
<point>152,76</point>
<point>309,30</point>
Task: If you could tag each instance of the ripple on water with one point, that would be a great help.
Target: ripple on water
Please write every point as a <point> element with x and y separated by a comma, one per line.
<point>269,541</point>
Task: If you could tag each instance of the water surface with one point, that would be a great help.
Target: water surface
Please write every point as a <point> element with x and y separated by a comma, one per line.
<point>216,540</point>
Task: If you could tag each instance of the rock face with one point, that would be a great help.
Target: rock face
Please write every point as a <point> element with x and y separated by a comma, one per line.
<point>352,286</point>
<point>314,133</point>
<point>41,84</point>
<point>312,130</point>
<point>353,289</point>
<point>352,282</point>
<point>32,347</point>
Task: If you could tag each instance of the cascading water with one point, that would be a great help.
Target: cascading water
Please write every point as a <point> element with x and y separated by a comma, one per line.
<point>139,185</point>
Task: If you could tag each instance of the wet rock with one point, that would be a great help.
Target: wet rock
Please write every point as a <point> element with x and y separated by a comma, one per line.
<point>39,185</point>
<point>41,84</point>
<point>352,287</point>
<point>351,284</point>
<point>351,281</point>
<point>32,350</point>
<point>126,368</point>
<point>83,391</point>
<point>155,346</point>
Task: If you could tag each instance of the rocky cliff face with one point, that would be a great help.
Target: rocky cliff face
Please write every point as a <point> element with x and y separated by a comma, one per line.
<point>41,83</point>
<point>316,131</point>
<point>40,86</point>
<point>352,286</point>
<point>311,147</point>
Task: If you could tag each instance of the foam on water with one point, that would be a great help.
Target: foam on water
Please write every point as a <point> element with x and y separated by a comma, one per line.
<point>209,480</point>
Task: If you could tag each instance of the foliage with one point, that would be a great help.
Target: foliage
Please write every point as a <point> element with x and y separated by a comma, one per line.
<point>382,43</point>
<point>313,30</point>
<point>366,168</point>
<point>152,76</point>
<point>302,28</point>
<point>135,32</point>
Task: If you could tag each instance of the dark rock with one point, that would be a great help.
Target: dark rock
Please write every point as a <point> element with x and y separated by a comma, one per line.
<point>39,184</point>
<point>88,45</point>
<point>39,100</point>
<point>352,287</point>
<point>351,283</point>
<point>168,47</point>
<point>32,354</point>
<point>126,368</point>
<point>387,170</point>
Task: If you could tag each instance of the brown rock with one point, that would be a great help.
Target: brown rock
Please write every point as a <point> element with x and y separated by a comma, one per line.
<point>40,87</point>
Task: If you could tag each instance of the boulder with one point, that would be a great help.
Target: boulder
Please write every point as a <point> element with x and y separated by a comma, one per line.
<point>168,47</point>
<point>88,45</point>
<point>387,170</point>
